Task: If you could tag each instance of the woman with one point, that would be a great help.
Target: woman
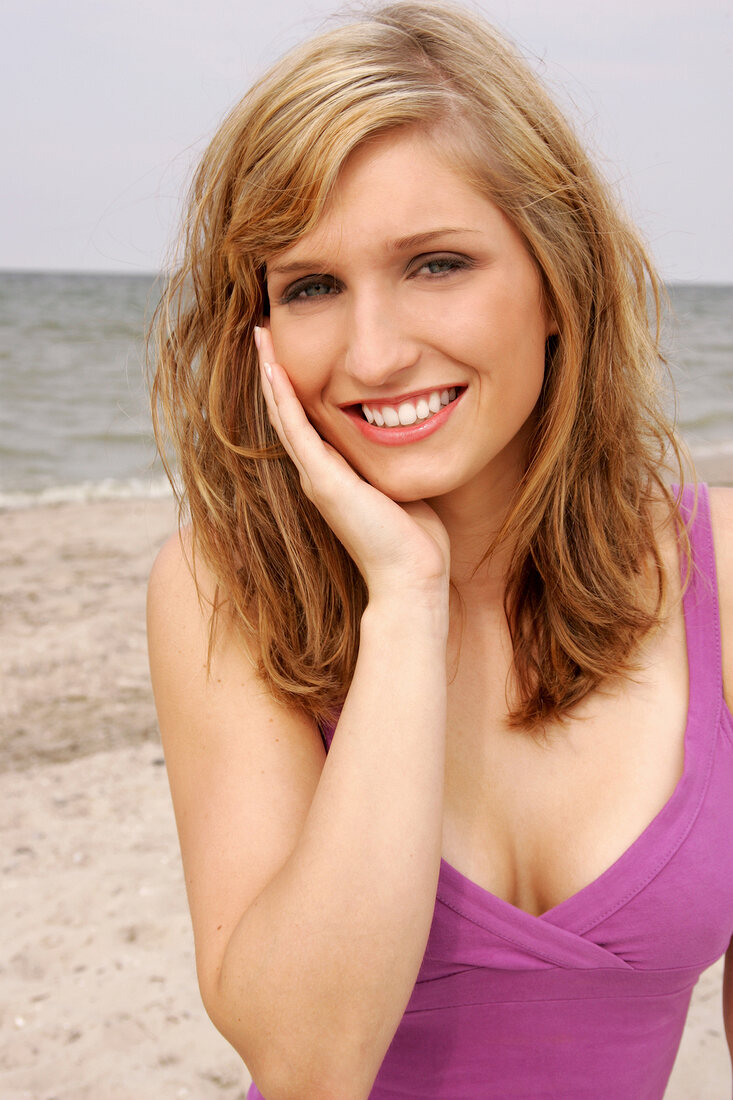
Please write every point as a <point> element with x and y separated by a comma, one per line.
<point>436,662</point>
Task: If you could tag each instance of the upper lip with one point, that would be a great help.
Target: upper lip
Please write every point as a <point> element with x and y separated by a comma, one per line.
<point>400,398</point>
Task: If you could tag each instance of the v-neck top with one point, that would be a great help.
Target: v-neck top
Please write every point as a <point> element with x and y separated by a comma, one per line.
<point>588,999</point>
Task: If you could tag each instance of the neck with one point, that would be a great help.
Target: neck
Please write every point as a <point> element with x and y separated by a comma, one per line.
<point>473,516</point>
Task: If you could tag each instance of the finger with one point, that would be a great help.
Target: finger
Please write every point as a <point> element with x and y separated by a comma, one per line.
<point>269,396</point>
<point>291,417</point>
<point>265,347</point>
<point>313,457</point>
<point>266,356</point>
<point>274,412</point>
<point>297,435</point>
<point>322,468</point>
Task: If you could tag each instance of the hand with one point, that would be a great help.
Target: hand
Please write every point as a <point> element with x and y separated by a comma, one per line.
<point>396,547</point>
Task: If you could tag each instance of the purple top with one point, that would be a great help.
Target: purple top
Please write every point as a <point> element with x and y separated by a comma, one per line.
<point>589,998</point>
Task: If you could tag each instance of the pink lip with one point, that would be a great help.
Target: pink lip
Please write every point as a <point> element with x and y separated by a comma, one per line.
<point>406,433</point>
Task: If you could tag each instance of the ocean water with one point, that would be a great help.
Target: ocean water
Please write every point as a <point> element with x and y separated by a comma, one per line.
<point>74,417</point>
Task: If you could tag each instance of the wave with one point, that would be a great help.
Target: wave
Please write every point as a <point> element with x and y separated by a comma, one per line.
<point>711,450</point>
<point>133,488</point>
<point>142,488</point>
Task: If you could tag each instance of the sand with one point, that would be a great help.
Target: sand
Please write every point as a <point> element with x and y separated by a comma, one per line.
<point>99,1000</point>
<point>99,994</point>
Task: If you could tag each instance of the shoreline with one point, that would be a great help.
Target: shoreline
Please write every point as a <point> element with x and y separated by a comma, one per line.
<point>713,463</point>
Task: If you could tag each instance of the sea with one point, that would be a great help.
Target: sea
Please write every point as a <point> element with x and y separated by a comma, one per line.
<point>74,407</point>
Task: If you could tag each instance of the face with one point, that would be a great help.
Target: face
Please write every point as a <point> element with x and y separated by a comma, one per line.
<point>411,323</point>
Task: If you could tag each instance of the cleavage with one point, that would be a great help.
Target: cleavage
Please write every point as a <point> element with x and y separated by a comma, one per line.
<point>534,821</point>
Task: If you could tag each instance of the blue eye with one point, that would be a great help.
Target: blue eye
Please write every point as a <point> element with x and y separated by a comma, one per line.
<point>443,265</point>
<point>318,286</point>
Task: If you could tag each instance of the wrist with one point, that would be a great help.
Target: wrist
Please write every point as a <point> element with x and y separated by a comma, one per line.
<point>420,611</point>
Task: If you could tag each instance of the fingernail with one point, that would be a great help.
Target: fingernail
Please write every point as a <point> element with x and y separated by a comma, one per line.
<point>258,337</point>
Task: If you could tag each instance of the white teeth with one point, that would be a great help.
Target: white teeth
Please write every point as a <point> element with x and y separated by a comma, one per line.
<point>408,412</point>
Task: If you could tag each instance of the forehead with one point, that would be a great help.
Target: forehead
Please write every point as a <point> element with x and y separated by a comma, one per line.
<point>394,187</point>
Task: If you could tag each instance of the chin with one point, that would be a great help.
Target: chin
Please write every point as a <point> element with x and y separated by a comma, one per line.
<point>408,498</point>
<point>412,489</point>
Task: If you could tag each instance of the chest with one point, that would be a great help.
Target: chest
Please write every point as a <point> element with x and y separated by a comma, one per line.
<point>535,818</point>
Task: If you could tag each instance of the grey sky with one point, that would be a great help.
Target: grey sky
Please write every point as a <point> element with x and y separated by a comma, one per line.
<point>108,102</point>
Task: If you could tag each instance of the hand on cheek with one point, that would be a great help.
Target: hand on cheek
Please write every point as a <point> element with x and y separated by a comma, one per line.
<point>387,541</point>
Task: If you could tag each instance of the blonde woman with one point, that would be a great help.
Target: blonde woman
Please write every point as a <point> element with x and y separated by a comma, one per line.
<point>437,660</point>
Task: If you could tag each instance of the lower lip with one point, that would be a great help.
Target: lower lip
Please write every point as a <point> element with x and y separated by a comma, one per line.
<point>405,433</point>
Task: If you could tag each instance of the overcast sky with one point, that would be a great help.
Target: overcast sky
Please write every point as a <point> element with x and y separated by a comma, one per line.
<point>107,103</point>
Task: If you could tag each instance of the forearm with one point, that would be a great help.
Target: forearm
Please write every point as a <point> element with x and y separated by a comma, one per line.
<point>319,969</point>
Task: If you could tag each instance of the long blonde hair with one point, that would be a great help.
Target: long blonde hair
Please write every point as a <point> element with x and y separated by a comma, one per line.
<point>581,526</point>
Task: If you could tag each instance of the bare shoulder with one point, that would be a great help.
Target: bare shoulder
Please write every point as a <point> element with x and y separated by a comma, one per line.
<point>178,610</point>
<point>721,506</point>
<point>243,769</point>
<point>179,605</point>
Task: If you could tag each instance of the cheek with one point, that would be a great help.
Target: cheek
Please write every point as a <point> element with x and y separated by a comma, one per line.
<point>522,329</point>
<point>506,345</point>
<point>300,354</point>
<point>304,359</point>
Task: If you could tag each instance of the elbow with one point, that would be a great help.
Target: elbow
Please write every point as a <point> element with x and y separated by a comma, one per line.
<point>276,1084</point>
<point>282,1071</point>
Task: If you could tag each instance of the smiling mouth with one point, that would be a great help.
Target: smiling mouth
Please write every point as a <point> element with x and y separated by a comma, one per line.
<point>418,410</point>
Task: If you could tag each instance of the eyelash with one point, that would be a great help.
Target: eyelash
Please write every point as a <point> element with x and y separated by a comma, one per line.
<point>298,290</point>
<point>455,263</point>
<point>293,293</point>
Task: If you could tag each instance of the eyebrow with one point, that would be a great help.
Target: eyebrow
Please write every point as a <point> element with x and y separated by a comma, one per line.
<point>401,244</point>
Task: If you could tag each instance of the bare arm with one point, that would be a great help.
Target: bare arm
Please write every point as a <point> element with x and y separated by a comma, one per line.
<point>311,880</point>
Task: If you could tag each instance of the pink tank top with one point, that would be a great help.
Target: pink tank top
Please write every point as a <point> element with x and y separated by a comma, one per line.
<point>590,998</point>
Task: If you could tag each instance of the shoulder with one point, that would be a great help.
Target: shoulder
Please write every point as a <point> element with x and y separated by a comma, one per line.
<point>179,605</point>
<point>721,507</point>
<point>196,673</point>
<point>203,682</point>
<point>203,679</point>
<point>172,574</point>
<point>183,593</point>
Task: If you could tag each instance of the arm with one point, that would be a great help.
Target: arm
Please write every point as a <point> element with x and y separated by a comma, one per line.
<point>311,881</point>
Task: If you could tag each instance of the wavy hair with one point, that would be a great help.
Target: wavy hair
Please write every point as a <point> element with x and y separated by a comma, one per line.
<point>582,525</point>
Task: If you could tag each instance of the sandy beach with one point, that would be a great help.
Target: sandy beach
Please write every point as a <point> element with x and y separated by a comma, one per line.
<point>99,991</point>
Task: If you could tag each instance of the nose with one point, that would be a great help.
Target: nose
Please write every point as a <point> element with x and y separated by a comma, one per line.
<point>380,344</point>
